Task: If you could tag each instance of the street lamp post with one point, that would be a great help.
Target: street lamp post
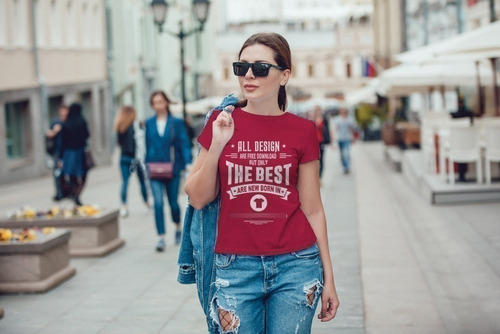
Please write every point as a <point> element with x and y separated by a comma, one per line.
<point>200,10</point>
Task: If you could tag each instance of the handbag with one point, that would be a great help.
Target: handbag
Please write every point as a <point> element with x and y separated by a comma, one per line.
<point>163,170</point>
<point>160,170</point>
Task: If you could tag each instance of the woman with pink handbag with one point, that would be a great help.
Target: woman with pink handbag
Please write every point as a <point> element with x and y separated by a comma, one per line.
<point>167,154</point>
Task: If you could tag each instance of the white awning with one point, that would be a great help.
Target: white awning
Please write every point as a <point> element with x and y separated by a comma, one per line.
<point>406,78</point>
<point>480,43</point>
<point>366,94</point>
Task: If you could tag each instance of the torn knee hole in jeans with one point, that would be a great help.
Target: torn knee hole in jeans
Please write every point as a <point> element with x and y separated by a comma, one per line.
<point>312,291</point>
<point>227,320</point>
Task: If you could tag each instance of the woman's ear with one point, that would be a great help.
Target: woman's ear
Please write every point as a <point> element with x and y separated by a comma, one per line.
<point>285,76</point>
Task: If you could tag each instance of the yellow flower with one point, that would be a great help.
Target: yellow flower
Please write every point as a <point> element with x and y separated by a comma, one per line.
<point>5,234</point>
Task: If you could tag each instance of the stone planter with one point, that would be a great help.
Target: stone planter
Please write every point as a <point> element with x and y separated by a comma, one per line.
<point>37,265</point>
<point>90,236</point>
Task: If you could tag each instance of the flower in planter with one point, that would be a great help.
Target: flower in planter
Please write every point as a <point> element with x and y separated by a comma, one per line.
<point>5,234</point>
<point>55,212</point>
<point>48,230</point>
<point>25,235</point>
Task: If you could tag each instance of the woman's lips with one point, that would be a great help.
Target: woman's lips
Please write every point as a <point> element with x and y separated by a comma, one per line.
<point>250,88</point>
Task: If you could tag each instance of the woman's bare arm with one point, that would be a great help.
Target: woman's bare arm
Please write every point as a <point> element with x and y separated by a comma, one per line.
<point>311,205</point>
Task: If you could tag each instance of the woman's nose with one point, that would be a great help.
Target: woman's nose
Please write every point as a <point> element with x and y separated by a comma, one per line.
<point>249,73</point>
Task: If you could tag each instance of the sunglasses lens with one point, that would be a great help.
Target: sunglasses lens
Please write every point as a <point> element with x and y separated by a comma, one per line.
<point>240,69</point>
<point>260,69</point>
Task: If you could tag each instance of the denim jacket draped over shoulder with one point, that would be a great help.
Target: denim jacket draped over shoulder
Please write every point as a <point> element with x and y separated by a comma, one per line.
<point>196,254</point>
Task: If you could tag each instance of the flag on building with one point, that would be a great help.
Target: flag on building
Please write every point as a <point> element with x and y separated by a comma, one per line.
<point>368,68</point>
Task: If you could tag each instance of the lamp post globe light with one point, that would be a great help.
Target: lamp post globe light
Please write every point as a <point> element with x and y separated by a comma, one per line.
<point>200,11</point>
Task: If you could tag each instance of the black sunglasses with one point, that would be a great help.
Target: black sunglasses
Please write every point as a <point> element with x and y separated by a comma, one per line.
<point>258,69</point>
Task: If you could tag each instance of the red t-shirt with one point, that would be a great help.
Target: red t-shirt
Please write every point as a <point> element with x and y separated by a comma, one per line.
<point>258,169</point>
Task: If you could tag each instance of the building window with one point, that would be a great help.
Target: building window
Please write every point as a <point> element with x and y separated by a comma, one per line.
<point>17,129</point>
<point>54,103</point>
<point>329,69</point>
<point>71,24</point>
<point>348,69</point>
<point>55,19</point>
<point>85,26</point>
<point>97,31</point>
<point>19,19</point>
<point>3,24</point>
<point>87,108</point>
<point>40,23</point>
<point>310,70</point>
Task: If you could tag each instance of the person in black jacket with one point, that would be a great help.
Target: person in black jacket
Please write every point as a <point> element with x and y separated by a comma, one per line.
<point>74,136</point>
<point>130,138</point>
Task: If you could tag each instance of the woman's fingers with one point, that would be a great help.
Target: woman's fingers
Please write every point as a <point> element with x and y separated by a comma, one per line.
<point>224,119</point>
<point>329,310</point>
<point>324,308</point>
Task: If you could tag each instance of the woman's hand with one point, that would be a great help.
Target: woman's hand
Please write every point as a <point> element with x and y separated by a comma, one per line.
<point>223,127</point>
<point>329,302</point>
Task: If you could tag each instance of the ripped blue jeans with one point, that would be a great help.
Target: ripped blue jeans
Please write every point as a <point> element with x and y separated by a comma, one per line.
<point>267,294</point>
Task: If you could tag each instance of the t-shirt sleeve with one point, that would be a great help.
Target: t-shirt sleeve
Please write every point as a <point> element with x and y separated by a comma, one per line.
<point>311,146</point>
<point>205,138</point>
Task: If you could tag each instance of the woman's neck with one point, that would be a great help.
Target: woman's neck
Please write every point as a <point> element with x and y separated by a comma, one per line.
<point>266,108</point>
<point>161,115</point>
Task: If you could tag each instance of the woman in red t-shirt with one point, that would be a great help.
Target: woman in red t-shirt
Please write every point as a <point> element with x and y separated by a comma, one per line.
<point>272,256</point>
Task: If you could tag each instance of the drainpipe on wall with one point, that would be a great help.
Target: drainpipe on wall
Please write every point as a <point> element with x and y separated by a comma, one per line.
<point>43,88</point>
<point>492,11</point>
<point>460,17</point>
<point>109,65</point>
<point>425,10</point>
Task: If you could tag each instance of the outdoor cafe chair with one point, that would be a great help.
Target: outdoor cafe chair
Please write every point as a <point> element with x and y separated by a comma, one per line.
<point>492,152</point>
<point>464,147</point>
<point>444,141</point>
<point>431,122</point>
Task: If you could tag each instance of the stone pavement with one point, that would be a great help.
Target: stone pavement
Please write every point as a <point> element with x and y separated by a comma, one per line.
<point>134,290</point>
<point>425,269</point>
<point>401,265</point>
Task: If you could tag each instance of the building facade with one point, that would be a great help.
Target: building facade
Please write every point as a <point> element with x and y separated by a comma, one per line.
<point>331,43</point>
<point>51,52</point>
<point>144,59</point>
<point>389,34</point>
<point>426,22</point>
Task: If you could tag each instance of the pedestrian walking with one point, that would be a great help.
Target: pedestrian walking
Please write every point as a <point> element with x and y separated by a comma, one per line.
<point>53,147</point>
<point>74,136</point>
<point>322,132</point>
<point>131,140</point>
<point>272,259</point>
<point>344,126</point>
<point>167,154</point>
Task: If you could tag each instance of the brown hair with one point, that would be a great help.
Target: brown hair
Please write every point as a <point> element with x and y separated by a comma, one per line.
<point>282,57</point>
<point>162,93</point>
<point>124,118</point>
